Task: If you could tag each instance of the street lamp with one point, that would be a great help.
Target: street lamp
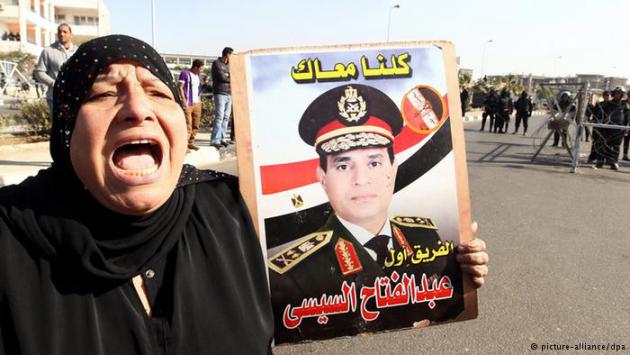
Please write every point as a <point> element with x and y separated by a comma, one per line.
<point>389,19</point>
<point>483,56</point>
<point>153,39</point>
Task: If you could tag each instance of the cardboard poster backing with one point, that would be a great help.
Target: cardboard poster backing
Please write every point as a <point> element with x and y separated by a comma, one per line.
<point>257,129</point>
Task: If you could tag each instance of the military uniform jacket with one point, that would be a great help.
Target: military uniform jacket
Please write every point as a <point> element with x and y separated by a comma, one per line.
<point>322,269</point>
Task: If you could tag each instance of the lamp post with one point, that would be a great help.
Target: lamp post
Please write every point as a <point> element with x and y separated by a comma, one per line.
<point>483,56</point>
<point>389,19</point>
<point>153,39</point>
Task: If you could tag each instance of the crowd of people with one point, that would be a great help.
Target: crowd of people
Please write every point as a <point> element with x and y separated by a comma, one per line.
<point>498,107</point>
<point>606,146</point>
<point>11,36</point>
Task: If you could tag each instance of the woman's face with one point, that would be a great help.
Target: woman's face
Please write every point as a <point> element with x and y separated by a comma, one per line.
<point>129,140</point>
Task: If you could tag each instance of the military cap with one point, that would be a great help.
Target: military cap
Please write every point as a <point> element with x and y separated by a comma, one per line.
<point>350,117</point>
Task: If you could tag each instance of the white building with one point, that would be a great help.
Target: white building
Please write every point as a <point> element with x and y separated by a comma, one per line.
<point>30,25</point>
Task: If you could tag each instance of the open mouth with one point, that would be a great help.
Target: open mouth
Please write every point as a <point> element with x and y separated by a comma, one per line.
<point>138,157</point>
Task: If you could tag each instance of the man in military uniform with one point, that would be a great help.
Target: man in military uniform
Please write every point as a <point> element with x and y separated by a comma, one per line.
<point>614,112</point>
<point>597,116</point>
<point>353,128</point>
<point>503,111</point>
<point>488,109</point>
<point>524,109</point>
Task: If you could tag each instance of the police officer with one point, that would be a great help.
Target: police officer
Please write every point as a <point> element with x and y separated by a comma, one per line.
<point>597,116</point>
<point>524,108</point>
<point>503,110</point>
<point>626,138</point>
<point>614,112</point>
<point>352,128</point>
<point>567,112</point>
<point>488,109</point>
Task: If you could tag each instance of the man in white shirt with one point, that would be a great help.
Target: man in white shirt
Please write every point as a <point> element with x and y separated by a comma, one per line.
<point>190,89</point>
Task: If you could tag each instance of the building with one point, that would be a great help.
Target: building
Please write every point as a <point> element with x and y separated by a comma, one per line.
<point>184,61</point>
<point>31,25</point>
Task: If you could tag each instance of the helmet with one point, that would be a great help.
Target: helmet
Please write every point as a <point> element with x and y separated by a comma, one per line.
<point>618,89</point>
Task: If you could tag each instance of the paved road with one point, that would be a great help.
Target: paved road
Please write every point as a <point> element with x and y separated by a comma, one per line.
<point>559,245</point>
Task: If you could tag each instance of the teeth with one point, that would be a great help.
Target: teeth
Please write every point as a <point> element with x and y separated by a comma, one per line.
<point>142,172</point>
<point>141,141</point>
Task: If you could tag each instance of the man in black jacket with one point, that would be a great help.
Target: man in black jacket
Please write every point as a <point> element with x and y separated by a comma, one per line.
<point>222,98</point>
<point>524,109</point>
<point>614,114</point>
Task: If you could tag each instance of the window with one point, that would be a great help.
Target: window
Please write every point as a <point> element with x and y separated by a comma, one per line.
<point>170,60</point>
<point>76,20</point>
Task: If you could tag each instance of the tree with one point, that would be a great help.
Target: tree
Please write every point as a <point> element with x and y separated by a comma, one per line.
<point>25,61</point>
<point>465,78</point>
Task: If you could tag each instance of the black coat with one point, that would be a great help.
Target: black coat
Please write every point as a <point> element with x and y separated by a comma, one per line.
<point>320,272</point>
<point>213,299</point>
<point>221,78</point>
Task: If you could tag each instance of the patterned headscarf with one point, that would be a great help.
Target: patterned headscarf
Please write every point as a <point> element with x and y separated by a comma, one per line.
<point>78,74</point>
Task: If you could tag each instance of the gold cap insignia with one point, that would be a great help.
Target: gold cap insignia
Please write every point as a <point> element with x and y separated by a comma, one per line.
<point>351,105</point>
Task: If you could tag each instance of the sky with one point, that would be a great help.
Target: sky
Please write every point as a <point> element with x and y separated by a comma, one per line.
<point>552,37</point>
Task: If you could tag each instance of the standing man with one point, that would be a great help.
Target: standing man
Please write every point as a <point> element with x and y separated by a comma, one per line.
<point>190,89</point>
<point>614,111</point>
<point>598,140</point>
<point>222,98</point>
<point>503,112</point>
<point>524,109</point>
<point>626,138</point>
<point>488,109</point>
<point>463,97</point>
<point>52,58</point>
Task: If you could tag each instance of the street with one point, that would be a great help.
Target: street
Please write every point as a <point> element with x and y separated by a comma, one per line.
<point>559,251</point>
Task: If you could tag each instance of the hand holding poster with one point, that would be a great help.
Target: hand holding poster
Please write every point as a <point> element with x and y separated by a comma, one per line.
<point>352,162</point>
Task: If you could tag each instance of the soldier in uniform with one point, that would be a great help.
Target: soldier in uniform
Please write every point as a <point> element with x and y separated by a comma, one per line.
<point>614,111</point>
<point>524,109</point>
<point>353,128</point>
<point>503,111</point>
<point>597,116</point>
<point>488,109</point>
<point>567,110</point>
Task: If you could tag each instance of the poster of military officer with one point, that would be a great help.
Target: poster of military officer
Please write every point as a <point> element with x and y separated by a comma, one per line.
<point>360,187</point>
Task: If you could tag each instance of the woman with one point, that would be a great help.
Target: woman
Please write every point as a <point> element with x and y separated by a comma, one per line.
<point>117,249</point>
<point>116,206</point>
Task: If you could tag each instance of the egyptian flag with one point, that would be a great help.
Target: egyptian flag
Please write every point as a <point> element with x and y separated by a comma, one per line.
<point>420,143</point>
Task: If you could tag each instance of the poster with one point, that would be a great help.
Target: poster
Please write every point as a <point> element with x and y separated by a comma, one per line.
<point>352,162</point>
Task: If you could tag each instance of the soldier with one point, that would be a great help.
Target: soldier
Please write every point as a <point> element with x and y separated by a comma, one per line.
<point>597,116</point>
<point>567,112</point>
<point>626,138</point>
<point>353,128</point>
<point>503,110</point>
<point>524,109</point>
<point>488,109</point>
<point>613,114</point>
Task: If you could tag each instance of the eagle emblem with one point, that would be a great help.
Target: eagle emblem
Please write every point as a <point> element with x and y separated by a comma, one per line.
<point>352,106</point>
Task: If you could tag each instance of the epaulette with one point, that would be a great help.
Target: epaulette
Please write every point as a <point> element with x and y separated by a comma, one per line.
<point>298,251</point>
<point>423,222</point>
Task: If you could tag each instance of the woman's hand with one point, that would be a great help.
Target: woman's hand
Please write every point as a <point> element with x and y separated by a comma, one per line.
<point>473,259</point>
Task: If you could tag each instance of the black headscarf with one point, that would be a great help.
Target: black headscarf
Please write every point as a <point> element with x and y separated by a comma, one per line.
<point>70,222</point>
<point>78,74</point>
